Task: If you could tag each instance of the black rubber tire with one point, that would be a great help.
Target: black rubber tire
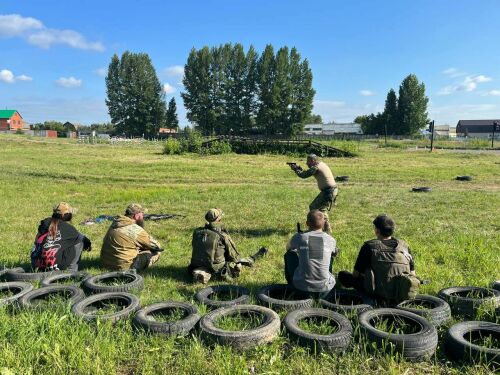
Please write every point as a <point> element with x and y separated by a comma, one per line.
<point>240,340</point>
<point>3,272</point>
<point>282,304</point>
<point>413,346</point>
<point>75,294</point>
<point>77,276</point>
<point>466,306</point>
<point>437,311</point>
<point>203,295</point>
<point>333,343</point>
<point>342,178</point>
<point>131,301</point>
<point>20,275</point>
<point>496,285</point>
<point>422,189</point>
<point>94,283</point>
<point>19,288</point>
<point>364,302</point>
<point>463,178</point>
<point>459,348</point>
<point>143,319</point>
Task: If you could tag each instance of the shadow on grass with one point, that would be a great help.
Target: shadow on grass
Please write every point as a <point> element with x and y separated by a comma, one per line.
<point>259,232</point>
<point>176,273</point>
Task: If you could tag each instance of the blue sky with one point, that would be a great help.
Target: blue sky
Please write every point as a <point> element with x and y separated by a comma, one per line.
<point>54,54</point>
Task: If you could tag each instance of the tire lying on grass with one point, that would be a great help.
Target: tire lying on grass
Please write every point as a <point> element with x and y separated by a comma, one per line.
<point>465,300</point>
<point>70,293</point>
<point>237,295</point>
<point>342,178</point>
<point>266,332</point>
<point>422,189</point>
<point>18,274</point>
<point>91,308</point>
<point>413,346</point>
<point>435,310</point>
<point>15,289</point>
<point>337,341</point>
<point>273,296</point>
<point>125,281</point>
<point>496,285</point>
<point>463,178</point>
<point>3,272</point>
<point>145,318</point>
<point>347,301</point>
<point>75,277</point>
<point>465,341</point>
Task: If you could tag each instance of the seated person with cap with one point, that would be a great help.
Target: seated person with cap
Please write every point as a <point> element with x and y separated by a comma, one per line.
<point>127,245</point>
<point>58,245</point>
<point>384,267</point>
<point>214,252</point>
<point>308,259</point>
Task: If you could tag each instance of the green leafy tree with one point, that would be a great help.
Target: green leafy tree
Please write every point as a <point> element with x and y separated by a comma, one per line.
<point>282,93</point>
<point>302,93</point>
<point>266,114</point>
<point>391,114</point>
<point>412,106</point>
<point>135,99</point>
<point>314,119</point>
<point>171,119</point>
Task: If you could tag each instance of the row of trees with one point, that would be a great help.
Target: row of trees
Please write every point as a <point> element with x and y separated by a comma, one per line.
<point>104,128</point>
<point>228,90</point>
<point>135,97</point>
<point>403,115</point>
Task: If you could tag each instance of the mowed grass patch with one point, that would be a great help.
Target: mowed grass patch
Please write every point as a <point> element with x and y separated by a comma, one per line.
<point>453,233</point>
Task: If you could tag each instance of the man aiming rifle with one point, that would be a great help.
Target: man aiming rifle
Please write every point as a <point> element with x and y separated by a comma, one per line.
<point>326,184</point>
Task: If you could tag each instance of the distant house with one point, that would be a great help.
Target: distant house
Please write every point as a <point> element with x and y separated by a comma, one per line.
<point>476,128</point>
<point>167,130</point>
<point>10,119</point>
<point>333,128</point>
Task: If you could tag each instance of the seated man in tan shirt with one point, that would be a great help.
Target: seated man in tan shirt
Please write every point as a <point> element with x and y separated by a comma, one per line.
<point>127,245</point>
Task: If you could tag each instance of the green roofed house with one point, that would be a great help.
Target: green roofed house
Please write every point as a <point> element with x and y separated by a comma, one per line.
<point>10,119</point>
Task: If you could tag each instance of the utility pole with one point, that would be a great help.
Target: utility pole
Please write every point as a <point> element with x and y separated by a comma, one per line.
<point>431,128</point>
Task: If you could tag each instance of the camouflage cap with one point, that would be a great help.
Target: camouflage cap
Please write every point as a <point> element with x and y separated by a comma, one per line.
<point>213,214</point>
<point>134,208</point>
<point>63,208</point>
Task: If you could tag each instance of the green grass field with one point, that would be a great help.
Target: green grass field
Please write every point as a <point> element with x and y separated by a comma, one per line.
<point>453,233</point>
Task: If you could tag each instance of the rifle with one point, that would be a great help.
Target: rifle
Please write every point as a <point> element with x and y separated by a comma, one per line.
<point>154,217</point>
<point>294,166</point>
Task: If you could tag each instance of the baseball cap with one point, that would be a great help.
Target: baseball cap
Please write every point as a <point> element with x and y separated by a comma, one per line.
<point>63,208</point>
<point>213,214</point>
<point>134,208</point>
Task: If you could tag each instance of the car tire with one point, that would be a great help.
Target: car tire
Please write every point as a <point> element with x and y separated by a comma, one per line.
<point>422,189</point>
<point>242,295</point>
<point>347,301</point>
<point>94,284</point>
<point>72,293</point>
<point>267,297</point>
<point>467,306</point>
<point>463,178</point>
<point>17,287</point>
<point>144,319</point>
<point>332,343</point>
<point>77,276</point>
<point>130,301</point>
<point>17,274</point>
<point>435,310</point>
<point>3,272</point>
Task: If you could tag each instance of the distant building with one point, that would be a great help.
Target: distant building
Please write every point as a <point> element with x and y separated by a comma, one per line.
<point>69,127</point>
<point>10,119</point>
<point>476,128</point>
<point>167,130</point>
<point>333,128</point>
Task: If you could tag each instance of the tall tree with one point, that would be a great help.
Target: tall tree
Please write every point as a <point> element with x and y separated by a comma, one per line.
<point>135,99</point>
<point>412,105</point>
<point>171,119</point>
<point>391,115</point>
<point>282,93</point>
<point>302,93</point>
<point>234,89</point>
<point>267,100</point>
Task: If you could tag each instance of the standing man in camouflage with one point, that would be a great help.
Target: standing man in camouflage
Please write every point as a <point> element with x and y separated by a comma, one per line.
<point>214,252</point>
<point>326,184</point>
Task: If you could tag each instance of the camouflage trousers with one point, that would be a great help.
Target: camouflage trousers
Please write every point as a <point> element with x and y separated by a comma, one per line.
<point>144,260</point>
<point>323,202</point>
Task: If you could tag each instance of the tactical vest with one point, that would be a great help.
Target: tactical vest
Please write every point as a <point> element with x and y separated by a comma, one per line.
<point>389,269</point>
<point>207,253</point>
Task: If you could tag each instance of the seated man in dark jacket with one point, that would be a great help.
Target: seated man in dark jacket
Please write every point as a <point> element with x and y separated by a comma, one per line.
<point>58,245</point>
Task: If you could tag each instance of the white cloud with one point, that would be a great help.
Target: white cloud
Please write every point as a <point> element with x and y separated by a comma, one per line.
<point>450,114</point>
<point>8,77</point>
<point>468,84</point>
<point>12,25</point>
<point>168,88</point>
<point>101,72</point>
<point>492,93</point>
<point>174,71</point>
<point>70,82</point>
<point>366,93</point>
<point>453,72</point>
<point>33,30</point>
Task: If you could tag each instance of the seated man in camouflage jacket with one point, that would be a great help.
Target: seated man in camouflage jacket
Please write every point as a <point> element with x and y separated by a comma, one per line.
<point>127,245</point>
<point>214,252</point>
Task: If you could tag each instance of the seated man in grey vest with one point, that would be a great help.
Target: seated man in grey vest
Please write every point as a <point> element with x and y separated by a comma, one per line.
<point>308,259</point>
<point>380,264</point>
<point>215,253</point>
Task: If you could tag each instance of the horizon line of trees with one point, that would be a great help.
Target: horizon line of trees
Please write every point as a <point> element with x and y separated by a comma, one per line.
<point>403,115</point>
<point>230,91</point>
